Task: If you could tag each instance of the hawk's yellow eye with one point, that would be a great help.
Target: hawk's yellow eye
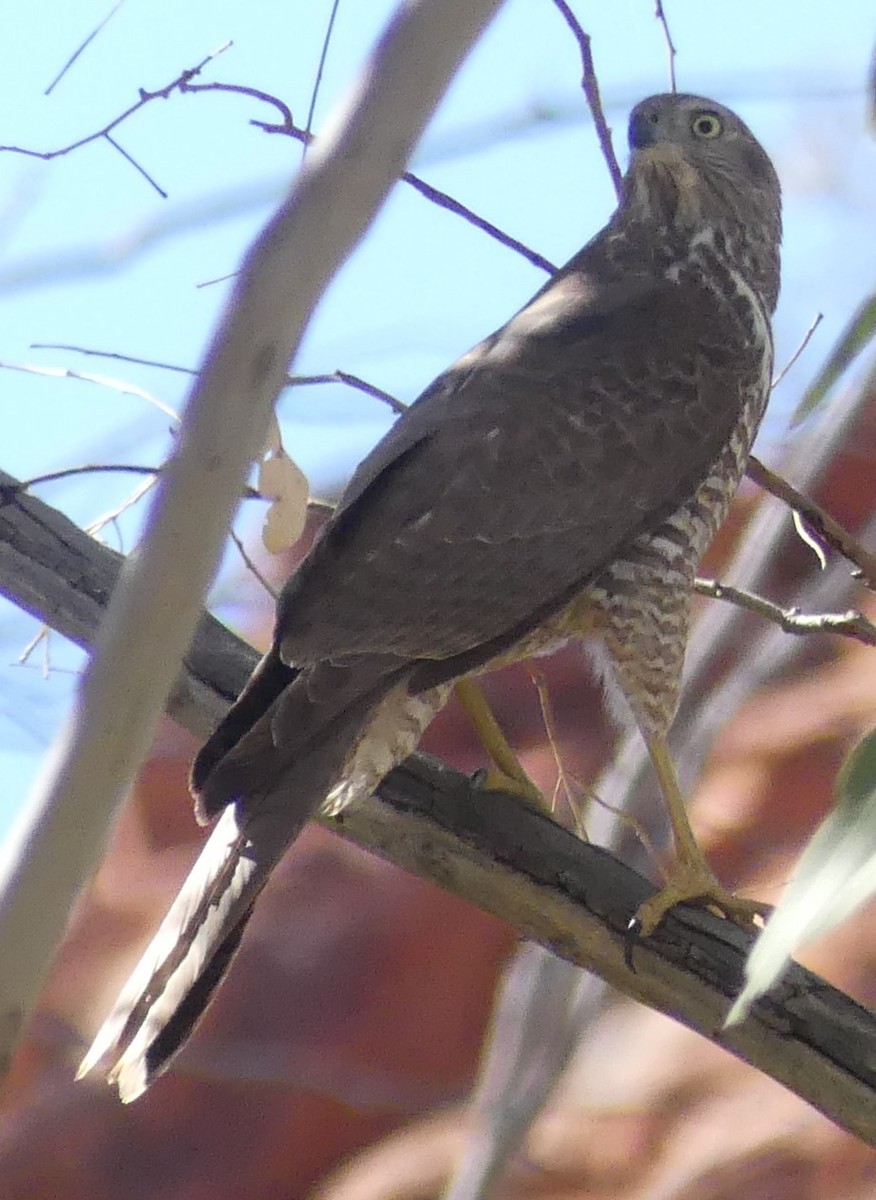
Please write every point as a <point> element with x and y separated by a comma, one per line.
<point>707,125</point>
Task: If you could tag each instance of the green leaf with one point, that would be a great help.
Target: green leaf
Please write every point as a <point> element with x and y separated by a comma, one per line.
<point>836,874</point>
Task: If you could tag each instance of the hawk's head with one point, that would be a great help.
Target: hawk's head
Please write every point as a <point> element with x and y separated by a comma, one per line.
<point>695,165</point>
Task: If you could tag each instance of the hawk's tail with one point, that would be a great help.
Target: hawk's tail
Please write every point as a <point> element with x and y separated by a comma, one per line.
<point>174,980</point>
<point>188,957</point>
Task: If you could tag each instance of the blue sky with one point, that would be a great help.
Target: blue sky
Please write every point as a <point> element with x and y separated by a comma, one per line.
<point>512,141</point>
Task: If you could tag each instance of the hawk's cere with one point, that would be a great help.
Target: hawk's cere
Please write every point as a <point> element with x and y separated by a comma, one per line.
<point>563,478</point>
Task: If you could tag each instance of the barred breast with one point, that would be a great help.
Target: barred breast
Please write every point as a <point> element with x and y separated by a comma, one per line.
<point>642,600</point>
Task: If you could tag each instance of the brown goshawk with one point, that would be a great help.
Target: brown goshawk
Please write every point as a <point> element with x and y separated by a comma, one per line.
<point>563,478</point>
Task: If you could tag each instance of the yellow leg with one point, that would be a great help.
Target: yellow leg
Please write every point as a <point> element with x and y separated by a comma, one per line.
<point>691,879</point>
<point>506,773</point>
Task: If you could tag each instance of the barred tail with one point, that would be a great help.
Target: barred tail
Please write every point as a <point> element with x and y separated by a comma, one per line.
<point>282,787</point>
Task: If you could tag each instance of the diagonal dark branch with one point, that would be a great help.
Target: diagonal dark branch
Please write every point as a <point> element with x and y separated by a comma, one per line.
<point>820,524</point>
<point>83,46</point>
<point>286,126</point>
<point>590,87</point>
<point>572,897</point>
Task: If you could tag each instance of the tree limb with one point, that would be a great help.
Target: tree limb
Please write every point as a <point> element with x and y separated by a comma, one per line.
<point>570,896</point>
<point>851,624</point>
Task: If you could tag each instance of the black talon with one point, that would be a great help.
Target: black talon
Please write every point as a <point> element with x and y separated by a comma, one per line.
<point>632,937</point>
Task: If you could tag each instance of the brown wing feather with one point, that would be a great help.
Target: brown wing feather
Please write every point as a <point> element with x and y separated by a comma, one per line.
<point>521,474</point>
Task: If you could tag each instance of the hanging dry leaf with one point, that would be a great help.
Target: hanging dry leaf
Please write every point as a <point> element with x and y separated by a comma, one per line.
<point>286,484</point>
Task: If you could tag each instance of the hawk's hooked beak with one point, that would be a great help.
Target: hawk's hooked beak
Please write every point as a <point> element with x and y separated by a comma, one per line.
<point>643,131</point>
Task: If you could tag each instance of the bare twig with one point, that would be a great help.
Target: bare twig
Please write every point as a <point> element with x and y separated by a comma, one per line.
<point>352,381</point>
<point>43,637</point>
<point>145,98</point>
<point>571,784</point>
<point>104,134</point>
<point>129,158</point>
<point>670,45</point>
<point>115,385</point>
<point>564,781</point>
<point>821,526</point>
<point>852,624</point>
<point>112,517</point>
<point>345,377</point>
<point>83,46</point>
<point>590,86</point>
<point>857,335</point>
<point>252,567</point>
<point>249,493</point>
<point>806,339</point>
<point>67,472</point>
<point>289,129</point>
<point>442,200</point>
<point>314,95</point>
<point>286,126</point>
<point>128,358</point>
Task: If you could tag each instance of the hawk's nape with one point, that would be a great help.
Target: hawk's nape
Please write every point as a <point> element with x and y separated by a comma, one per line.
<point>566,473</point>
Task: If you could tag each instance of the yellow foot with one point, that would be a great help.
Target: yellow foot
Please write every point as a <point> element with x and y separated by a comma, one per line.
<point>505,774</point>
<point>694,883</point>
<point>519,784</point>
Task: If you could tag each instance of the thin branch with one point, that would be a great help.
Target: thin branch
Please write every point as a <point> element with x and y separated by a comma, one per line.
<point>564,780</point>
<point>807,338</point>
<point>252,567</point>
<point>128,358</point>
<point>322,507</point>
<point>286,124</point>
<point>819,523</point>
<point>214,280</point>
<point>112,517</point>
<point>129,158</point>
<point>352,381</point>
<point>106,132</point>
<point>344,377</point>
<point>145,98</point>
<point>443,200</point>
<point>68,472</point>
<point>114,253</point>
<point>572,785</point>
<point>287,127</point>
<point>670,45</point>
<point>857,335</point>
<point>83,46</point>
<point>43,637</point>
<point>851,624</point>
<point>590,86</point>
<point>314,95</point>
<point>115,385</point>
